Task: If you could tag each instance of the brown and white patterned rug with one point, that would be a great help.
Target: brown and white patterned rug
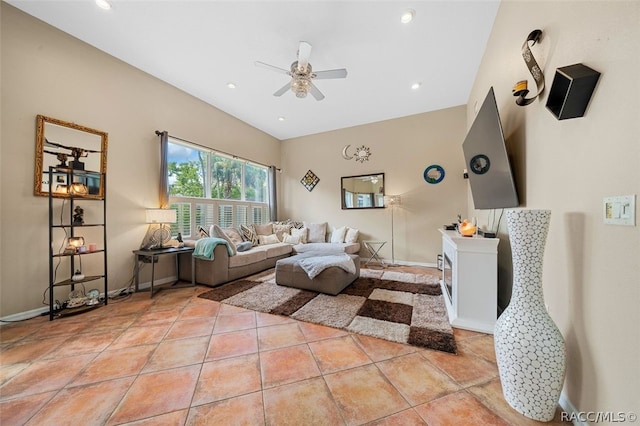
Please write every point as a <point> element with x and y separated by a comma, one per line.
<point>396,306</point>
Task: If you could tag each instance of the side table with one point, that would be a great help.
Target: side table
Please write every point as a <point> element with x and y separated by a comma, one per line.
<point>155,253</point>
<point>374,248</point>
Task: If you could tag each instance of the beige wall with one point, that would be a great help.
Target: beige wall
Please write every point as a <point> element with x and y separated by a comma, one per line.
<point>591,272</point>
<point>45,71</point>
<point>401,148</point>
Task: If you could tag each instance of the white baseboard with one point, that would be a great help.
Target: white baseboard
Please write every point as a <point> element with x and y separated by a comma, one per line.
<point>22,316</point>
<point>407,263</point>
<point>570,409</point>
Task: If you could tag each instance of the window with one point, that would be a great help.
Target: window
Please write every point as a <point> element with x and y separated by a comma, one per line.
<point>206,187</point>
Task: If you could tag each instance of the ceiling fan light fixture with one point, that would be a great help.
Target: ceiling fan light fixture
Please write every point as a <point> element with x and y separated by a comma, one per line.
<point>416,85</point>
<point>281,118</point>
<point>231,85</point>
<point>407,16</point>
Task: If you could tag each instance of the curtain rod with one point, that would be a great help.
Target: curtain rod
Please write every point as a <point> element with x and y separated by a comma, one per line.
<point>158,132</point>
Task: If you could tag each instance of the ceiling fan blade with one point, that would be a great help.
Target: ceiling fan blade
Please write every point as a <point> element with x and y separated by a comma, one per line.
<point>339,73</point>
<point>304,52</point>
<point>315,92</point>
<point>282,90</point>
<point>272,68</point>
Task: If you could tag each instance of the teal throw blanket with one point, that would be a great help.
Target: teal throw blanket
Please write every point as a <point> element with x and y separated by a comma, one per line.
<point>205,246</point>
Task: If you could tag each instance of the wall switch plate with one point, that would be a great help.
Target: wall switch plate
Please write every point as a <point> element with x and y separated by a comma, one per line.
<point>620,210</point>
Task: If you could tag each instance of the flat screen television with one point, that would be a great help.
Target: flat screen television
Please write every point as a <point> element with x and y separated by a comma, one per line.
<point>487,161</point>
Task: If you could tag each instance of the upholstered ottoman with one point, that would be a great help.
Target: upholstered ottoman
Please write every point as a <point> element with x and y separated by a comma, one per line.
<point>331,281</point>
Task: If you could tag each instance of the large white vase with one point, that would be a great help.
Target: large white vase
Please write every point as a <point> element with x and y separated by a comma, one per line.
<point>529,347</point>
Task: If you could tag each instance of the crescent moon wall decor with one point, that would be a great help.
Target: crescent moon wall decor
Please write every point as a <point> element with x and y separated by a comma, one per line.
<point>345,155</point>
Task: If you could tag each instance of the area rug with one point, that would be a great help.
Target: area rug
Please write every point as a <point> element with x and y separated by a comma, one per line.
<point>411,311</point>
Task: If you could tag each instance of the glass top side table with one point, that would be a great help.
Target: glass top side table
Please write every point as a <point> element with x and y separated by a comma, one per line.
<point>374,249</point>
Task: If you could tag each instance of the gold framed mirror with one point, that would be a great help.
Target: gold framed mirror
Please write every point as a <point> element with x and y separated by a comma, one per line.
<point>78,155</point>
<point>362,192</point>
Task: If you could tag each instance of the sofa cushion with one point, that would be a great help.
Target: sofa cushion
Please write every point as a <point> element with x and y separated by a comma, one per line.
<point>275,250</point>
<point>249,234</point>
<point>351,236</point>
<point>218,232</point>
<point>244,246</point>
<point>263,229</point>
<point>280,230</point>
<point>290,239</point>
<point>233,234</point>
<point>302,233</point>
<point>327,247</point>
<point>317,232</point>
<point>337,236</point>
<point>268,239</point>
<point>247,257</point>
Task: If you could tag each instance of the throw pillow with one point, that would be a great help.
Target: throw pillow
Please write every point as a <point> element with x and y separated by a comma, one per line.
<point>220,234</point>
<point>302,233</point>
<point>290,239</point>
<point>202,233</point>
<point>249,234</point>
<point>280,230</point>
<point>244,246</point>
<point>337,236</point>
<point>263,229</point>
<point>268,239</point>
<point>317,232</point>
<point>234,235</point>
<point>351,236</point>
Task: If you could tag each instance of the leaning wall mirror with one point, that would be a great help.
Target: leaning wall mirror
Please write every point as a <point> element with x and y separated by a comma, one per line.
<point>78,154</point>
<point>362,192</point>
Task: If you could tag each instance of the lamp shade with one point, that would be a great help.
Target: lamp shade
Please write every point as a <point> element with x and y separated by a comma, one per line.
<point>161,216</point>
<point>76,241</point>
<point>78,188</point>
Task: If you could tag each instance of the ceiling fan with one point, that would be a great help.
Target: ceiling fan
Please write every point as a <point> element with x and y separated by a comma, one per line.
<point>302,74</point>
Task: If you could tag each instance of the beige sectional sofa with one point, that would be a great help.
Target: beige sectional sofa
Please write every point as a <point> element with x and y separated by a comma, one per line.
<point>224,267</point>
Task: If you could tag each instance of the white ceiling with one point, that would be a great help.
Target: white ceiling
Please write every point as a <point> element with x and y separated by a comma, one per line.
<point>200,46</point>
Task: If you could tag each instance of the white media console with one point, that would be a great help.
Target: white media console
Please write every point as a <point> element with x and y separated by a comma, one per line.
<point>470,280</point>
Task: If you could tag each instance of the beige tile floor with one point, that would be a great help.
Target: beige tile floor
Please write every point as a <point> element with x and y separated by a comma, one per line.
<point>178,359</point>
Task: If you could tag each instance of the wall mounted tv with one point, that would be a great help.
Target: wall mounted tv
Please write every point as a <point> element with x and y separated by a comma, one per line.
<point>486,159</point>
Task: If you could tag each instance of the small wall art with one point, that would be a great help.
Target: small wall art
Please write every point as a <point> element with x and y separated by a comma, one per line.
<point>309,180</point>
<point>520,89</point>
<point>433,174</point>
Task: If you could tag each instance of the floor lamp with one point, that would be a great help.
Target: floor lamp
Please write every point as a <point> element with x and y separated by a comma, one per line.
<point>393,201</point>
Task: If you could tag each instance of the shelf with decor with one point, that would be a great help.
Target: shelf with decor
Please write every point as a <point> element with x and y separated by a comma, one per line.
<point>73,187</point>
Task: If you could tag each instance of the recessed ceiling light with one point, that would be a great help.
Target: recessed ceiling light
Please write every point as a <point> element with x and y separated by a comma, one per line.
<point>280,118</point>
<point>416,86</point>
<point>103,4</point>
<point>407,16</point>
<point>231,85</point>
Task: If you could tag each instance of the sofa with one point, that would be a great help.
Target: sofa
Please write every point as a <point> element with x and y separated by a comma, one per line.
<point>269,243</point>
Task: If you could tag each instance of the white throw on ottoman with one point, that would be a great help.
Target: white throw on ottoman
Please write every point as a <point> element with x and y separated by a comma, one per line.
<point>331,280</point>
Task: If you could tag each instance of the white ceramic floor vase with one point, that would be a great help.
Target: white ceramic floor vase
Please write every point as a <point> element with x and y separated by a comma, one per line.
<point>529,347</point>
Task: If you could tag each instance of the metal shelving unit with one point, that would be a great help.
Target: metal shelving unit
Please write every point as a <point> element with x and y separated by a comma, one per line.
<point>70,229</point>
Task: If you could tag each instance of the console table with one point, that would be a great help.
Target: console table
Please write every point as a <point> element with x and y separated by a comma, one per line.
<point>470,280</point>
<point>140,255</point>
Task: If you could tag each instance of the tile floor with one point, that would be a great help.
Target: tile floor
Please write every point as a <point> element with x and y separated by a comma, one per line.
<point>178,359</point>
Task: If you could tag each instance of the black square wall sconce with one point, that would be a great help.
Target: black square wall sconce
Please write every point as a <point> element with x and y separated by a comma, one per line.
<point>571,91</point>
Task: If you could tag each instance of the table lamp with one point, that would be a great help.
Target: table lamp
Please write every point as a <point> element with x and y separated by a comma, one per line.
<point>161,216</point>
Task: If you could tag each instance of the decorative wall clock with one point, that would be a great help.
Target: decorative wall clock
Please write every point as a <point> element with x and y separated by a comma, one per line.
<point>433,174</point>
<point>310,180</point>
